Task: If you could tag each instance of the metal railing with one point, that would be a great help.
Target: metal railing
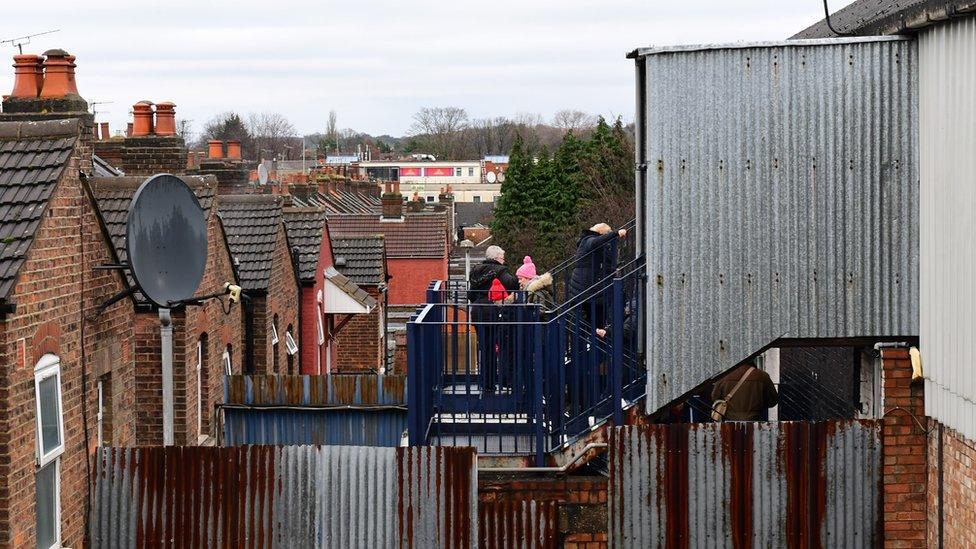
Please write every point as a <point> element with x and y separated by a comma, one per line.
<point>518,379</point>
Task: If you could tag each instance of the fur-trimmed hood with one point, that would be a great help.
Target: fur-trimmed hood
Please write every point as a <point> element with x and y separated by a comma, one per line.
<point>540,282</point>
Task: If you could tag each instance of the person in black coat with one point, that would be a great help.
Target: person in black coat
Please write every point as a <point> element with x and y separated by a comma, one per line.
<point>595,260</point>
<point>486,315</point>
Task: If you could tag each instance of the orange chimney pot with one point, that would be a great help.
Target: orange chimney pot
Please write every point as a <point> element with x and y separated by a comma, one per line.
<point>234,149</point>
<point>72,85</point>
<point>165,118</point>
<point>58,75</point>
<point>26,81</point>
<point>216,148</point>
<point>142,119</point>
<point>105,133</point>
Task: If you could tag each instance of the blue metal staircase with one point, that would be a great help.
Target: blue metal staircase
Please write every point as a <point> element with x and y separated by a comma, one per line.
<point>521,381</point>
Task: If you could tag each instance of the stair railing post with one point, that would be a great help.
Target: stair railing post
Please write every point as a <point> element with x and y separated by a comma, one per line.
<point>617,364</point>
<point>537,366</point>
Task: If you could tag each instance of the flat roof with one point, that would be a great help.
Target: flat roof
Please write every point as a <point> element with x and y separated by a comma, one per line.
<point>652,50</point>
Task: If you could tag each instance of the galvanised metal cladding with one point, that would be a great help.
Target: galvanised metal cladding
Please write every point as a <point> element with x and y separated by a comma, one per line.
<point>516,524</point>
<point>740,484</point>
<point>299,496</point>
<point>947,103</point>
<point>781,200</point>
<point>356,410</point>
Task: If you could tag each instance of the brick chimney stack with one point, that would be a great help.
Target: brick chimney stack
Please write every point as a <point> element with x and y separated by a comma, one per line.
<point>392,201</point>
<point>44,85</point>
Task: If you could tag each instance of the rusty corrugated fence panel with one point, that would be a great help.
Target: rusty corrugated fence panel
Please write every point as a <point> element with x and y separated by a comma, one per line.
<point>291,496</point>
<point>511,523</point>
<point>746,485</point>
<point>781,199</point>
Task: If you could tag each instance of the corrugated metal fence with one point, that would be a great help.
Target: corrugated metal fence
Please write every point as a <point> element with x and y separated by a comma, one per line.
<point>361,410</point>
<point>737,484</point>
<point>513,523</point>
<point>782,200</point>
<point>298,496</point>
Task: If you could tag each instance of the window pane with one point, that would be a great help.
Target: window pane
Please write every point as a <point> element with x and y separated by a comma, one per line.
<point>50,414</point>
<point>46,505</point>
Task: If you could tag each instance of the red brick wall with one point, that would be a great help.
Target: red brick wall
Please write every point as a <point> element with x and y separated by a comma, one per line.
<point>359,346</point>
<point>282,300</point>
<point>54,282</point>
<point>144,155</point>
<point>314,355</point>
<point>958,471</point>
<point>581,504</point>
<point>904,470</point>
<point>411,277</point>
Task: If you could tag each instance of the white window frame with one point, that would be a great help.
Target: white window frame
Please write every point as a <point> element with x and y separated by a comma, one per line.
<point>49,366</point>
<point>470,172</point>
<point>290,346</point>
<point>99,416</point>
<point>199,388</point>
<point>457,172</point>
<point>274,333</point>
<point>228,365</point>
<point>320,331</point>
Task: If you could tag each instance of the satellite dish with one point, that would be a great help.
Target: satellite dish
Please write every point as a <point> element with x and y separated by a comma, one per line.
<point>166,240</point>
<point>263,174</point>
<point>490,176</point>
<point>501,177</point>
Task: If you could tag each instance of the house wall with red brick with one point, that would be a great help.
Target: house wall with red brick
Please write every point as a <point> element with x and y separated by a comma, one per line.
<point>359,344</point>
<point>951,483</point>
<point>581,508</point>
<point>281,300</point>
<point>314,359</point>
<point>54,282</point>
<point>904,438</point>
<point>411,277</point>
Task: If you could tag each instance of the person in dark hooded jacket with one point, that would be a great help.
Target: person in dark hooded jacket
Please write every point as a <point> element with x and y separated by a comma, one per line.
<point>595,260</point>
<point>486,316</point>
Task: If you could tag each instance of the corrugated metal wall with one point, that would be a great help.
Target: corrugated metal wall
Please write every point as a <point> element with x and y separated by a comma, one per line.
<point>947,103</point>
<point>262,496</point>
<point>359,410</point>
<point>781,200</point>
<point>518,524</point>
<point>746,485</point>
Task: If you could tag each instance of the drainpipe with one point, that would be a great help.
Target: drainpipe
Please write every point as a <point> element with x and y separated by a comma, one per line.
<point>385,288</point>
<point>166,344</point>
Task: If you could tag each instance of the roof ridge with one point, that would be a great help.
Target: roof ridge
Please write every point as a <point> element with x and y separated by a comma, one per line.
<point>39,128</point>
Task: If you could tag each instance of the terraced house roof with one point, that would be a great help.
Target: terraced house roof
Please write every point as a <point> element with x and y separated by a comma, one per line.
<point>305,227</point>
<point>113,195</point>
<point>418,235</point>
<point>33,156</point>
<point>360,259</point>
<point>251,223</point>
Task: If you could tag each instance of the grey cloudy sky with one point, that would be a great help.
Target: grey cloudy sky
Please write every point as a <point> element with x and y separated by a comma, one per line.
<point>377,62</point>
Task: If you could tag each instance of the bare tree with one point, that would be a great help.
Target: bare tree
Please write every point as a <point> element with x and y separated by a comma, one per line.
<point>272,133</point>
<point>441,129</point>
<point>332,130</point>
<point>573,120</point>
<point>184,129</point>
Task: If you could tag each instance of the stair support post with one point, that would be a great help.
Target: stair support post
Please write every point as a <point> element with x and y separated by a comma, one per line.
<point>617,362</point>
<point>537,390</point>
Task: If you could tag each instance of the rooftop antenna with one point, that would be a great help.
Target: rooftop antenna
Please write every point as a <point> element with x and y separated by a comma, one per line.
<point>21,41</point>
<point>91,105</point>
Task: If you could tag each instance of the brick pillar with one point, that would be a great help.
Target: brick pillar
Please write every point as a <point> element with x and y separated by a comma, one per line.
<point>904,441</point>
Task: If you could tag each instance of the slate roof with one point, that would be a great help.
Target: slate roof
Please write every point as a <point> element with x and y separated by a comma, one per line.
<point>251,223</point>
<point>874,17</point>
<point>360,259</point>
<point>33,156</point>
<point>114,194</point>
<point>419,235</point>
<point>305,227</point>
<point>350,288</point>
<point>341,202</point>
<point>468,214</point>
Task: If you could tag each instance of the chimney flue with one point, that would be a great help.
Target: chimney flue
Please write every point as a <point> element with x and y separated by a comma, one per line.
<point>28,76</point>
<point>165,119</point>
<point>234,149</point>
<point>59,78</point>
<point>215,148</point>
<point>105,133</point>
<point>142,119</point>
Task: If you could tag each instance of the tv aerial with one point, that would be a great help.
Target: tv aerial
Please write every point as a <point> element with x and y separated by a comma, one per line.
<point>21,41</point>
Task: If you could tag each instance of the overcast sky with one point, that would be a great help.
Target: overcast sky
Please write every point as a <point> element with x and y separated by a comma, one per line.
<point>376,62</point>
